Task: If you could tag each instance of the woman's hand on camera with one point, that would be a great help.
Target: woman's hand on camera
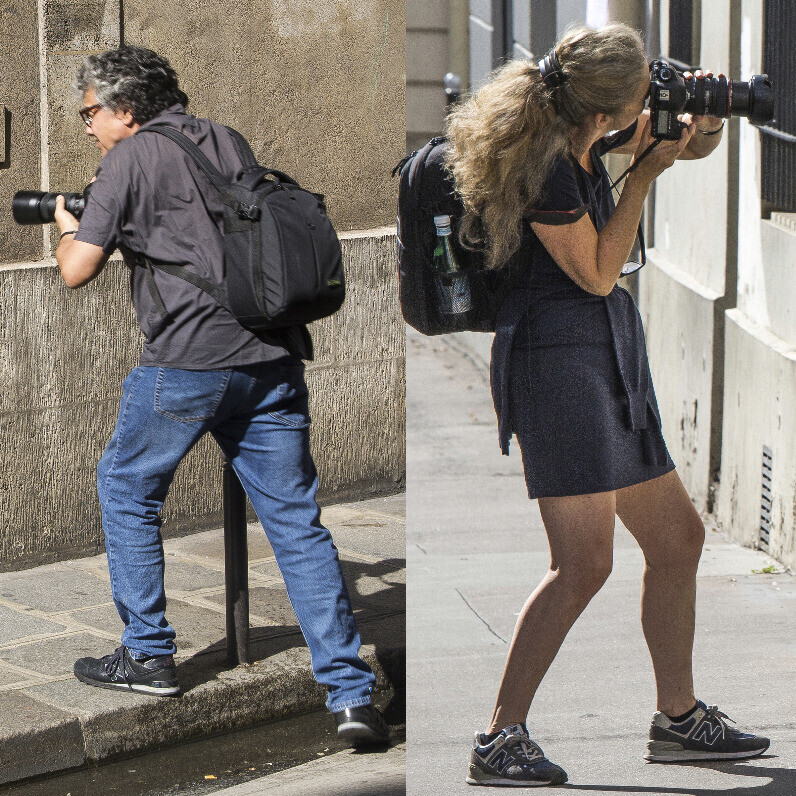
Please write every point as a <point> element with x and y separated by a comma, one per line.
<point>664,154</point>
<point>704,124</point>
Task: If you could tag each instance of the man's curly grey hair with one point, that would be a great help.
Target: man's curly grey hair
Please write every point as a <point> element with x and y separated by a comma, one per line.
<point>131,79</point>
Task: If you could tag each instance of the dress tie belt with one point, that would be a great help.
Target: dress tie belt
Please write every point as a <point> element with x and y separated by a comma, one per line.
<point>631,357</point>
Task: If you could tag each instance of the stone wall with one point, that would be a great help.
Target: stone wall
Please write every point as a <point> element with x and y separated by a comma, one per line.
<point>319,91</point>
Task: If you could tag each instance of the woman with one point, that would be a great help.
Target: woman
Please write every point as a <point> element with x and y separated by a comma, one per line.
<point>570,376</point>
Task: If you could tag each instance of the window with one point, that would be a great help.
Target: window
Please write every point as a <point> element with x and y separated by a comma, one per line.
<point>778,138</point>
<point>681,32</point>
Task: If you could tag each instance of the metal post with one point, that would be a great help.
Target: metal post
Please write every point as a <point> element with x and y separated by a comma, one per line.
<point>236,568</point>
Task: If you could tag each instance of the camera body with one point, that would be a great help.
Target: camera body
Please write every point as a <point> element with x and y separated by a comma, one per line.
<point>672,94</point>
<point>38,207</point>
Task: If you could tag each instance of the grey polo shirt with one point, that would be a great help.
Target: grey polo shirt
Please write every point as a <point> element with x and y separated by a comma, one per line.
<point>149,198</point>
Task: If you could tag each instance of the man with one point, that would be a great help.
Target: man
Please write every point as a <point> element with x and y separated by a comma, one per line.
<point>200,371</point>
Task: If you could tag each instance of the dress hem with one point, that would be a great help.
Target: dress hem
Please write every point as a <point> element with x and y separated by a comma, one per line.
<point>631,482</point>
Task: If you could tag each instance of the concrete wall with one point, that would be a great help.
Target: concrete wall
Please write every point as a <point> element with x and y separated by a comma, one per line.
<point>427,58</point>
<point>533,28</point>
<point>717,300</point>
<point>760,380</point>
<point>319,90</point>
<point>688,284</point>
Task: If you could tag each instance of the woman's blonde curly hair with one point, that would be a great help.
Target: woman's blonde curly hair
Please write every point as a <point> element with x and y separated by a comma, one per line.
<point>504,140</point>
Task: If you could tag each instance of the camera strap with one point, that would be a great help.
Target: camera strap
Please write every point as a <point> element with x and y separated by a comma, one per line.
<point>619,179</point>
<point>635,163</point>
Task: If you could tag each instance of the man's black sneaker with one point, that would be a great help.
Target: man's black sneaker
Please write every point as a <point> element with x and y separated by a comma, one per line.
<point>703,735</point>
<point>121,670</point>
<point>362,726</point>
<point>511,758</point>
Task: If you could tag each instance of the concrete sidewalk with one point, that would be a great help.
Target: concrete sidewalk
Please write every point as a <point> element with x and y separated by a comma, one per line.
<point>52,615</point>
<point>476,549</point>
<point>377,773</point>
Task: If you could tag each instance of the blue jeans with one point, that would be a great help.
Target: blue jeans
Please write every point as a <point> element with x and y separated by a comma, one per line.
<point>259,416</point>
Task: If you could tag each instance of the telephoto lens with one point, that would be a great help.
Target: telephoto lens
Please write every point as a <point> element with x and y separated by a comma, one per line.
<point>38,207</point>
<point>718,96</point>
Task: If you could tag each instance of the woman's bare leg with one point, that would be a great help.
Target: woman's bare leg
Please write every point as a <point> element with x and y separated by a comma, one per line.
<point>580,531</point>
<point>669,530</point>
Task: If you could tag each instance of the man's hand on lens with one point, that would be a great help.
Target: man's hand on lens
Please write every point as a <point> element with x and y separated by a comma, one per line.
<point>63,218</point>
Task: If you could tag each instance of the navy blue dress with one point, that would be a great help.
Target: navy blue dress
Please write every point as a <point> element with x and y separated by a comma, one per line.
<point>569,370</point>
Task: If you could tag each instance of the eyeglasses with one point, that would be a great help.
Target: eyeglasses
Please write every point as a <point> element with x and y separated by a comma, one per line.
<point>87,114</point>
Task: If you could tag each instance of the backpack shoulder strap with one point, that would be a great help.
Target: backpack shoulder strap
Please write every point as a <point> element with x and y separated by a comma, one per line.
<point>244,210</point>
<point>244,148</point>
<point>191,149</point>
<point>216,292</point>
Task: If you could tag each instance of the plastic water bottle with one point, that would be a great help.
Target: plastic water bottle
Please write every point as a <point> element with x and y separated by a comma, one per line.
<point>453,289</point>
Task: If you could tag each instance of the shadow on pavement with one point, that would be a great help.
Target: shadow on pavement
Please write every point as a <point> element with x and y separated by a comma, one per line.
<point>379,605</point>
<point>783,782</point>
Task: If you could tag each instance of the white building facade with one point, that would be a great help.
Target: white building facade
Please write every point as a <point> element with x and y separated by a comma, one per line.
<point>718,296</point>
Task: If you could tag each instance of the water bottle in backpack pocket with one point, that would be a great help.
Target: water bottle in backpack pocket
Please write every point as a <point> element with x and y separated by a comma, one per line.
<point>452,282</point>
<point>443,287</point>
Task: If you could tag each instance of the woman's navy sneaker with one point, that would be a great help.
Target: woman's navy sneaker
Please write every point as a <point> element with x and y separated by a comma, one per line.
<point>511,758</point>
<point>703,735</point>
<point>121,670</point>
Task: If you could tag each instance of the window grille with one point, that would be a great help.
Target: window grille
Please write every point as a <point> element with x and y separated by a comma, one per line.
<point>681,30</point>
<point>765,499</point>
<point>778,139</point>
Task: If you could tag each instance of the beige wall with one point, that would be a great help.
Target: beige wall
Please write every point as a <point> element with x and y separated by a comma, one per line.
<point>319,90</point>
<point>436,43</point>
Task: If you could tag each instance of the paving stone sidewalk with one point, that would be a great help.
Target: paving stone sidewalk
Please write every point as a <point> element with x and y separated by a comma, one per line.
<point>54,614</point>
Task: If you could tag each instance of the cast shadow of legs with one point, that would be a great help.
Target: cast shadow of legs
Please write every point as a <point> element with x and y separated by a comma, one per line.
<point>782,781</point>
<point>378,596</point>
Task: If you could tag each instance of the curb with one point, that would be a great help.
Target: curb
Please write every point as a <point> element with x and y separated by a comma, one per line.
<point>216,700</point>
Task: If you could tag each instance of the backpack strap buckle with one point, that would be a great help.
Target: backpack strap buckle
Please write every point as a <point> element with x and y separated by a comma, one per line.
<point>249,212</point>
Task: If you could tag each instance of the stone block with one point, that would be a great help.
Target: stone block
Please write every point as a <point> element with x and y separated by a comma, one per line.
<point>369,534</point>
<point>426,109</point>
<point>105,620</point>
<point>36,738</point>
<point>53,590</point>
<point>427,56</point>
<point>421,15</point>
<point>17,625</point>
<point>55,656</point>
<point>183,576</point>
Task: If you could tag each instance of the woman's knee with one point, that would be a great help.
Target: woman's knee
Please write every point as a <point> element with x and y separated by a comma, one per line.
<point>680,549</point>
<point>585,576</point>
<point>691,539</point>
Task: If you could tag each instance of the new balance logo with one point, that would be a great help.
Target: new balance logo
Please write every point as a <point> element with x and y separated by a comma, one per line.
<point>707,733</point>
<point>499,761</point>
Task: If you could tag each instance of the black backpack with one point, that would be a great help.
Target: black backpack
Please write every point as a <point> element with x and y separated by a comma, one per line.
<point>426,189</point>
<point>282,258</point>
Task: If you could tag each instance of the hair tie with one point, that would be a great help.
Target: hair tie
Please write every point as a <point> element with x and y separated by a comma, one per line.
<point>552,72</point>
